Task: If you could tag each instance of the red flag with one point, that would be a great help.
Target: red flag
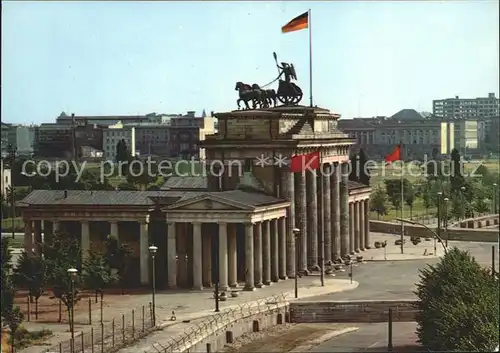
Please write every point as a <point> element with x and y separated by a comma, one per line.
<point>302,162</point>
<point>395,155</point>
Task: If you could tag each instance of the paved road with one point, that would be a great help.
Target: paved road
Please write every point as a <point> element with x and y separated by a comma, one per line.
<point>372,338</point>
<point>396,279</point>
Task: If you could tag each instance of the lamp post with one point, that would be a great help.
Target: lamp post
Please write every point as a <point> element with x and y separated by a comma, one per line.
<point>72,272</point>
<point>495,194</point>
<point>462,199</point>
<point>436,235</point>
<point>439,195</point>
<point>296,233</point>
<point>152,250</point>
<point>446,218</point>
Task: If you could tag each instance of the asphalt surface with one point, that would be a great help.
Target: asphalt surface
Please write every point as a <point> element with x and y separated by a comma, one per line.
<point>372,338</point>
<point>396,279</point>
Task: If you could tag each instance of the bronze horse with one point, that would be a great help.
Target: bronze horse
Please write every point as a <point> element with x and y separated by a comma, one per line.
<point>268,96</point>
<point>247,94</point>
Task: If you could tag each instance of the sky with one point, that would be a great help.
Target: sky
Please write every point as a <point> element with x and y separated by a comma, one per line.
<point>369,58</point>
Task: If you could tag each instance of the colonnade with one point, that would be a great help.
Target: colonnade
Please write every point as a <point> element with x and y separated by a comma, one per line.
<point>345,223</point>
<point>264,255</point>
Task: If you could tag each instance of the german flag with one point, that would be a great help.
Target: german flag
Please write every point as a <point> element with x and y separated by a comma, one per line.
<point>298,23</point>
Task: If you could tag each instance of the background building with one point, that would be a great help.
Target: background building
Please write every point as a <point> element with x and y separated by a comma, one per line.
<point>66,140</point>
<point>187,131</point>
<point>114,134</point>
<point>6,178</point>
<point>420,135</point>
<point>19,136</point>
<point>466,108</point>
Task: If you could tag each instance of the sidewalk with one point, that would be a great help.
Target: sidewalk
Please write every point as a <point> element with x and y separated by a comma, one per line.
<point>187,305</point>
<point>392,252</point>
<point>309,286</point>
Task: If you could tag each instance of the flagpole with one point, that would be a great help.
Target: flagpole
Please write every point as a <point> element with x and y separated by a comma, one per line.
<point>310,60</point>
<point>402,200</point>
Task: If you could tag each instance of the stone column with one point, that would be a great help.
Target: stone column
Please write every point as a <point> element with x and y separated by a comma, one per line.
<point>302,222</point>
<point>327,215</point>
<point>357,230</point>
<point>362,225</point>
<point>266,252</point>
<point>144,252</point>
<point>281,234</point>
<point>28,237</point>
<point>344,210</point>
<point>351,228</point>
<point>197,257</point>
<point>366,225</point>
<point>207,259</point>
<point>312,221</point>
<point>182,263</point>
<point>249,277</point>
<point>288,185</point>
<point>278,253</point>
<point>48,232</point>
<point>335,209</point>
<point>85,239</point>
<point>257,237</point>
<point>113,229</point>
<point>232,256</point>
<point>37,233</point>
<point>171,256</point>
<point>223,275</point>
<point>56,226</point>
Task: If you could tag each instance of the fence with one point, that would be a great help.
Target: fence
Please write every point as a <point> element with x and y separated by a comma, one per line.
<point>217,322</point>
<point>110,336</point>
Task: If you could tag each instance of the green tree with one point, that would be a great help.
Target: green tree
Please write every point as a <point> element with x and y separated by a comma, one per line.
<point>378,202</point>
<point>393,190</point>
<point>354,170</point>
<point>409,195</point>
<point>11,315</point>
<point>118,257</point>
<point>456,171</point>
<point>30,274</point>
<point>122,155</point>
<point>142,173</point>
<point>97,274</point>
<point>364,173</point>
<point>60,255</point>
<point>457,207</point>
<point>458,305</point>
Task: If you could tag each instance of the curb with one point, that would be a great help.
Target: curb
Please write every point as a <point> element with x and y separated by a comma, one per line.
<point>410,259</point>
<point>323,338</point>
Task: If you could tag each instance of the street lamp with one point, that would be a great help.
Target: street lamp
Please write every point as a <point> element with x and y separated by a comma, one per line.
<point>462,189</point>
<point>495,198</point>
<point>72,272</point>
<point>152,250</point>
<point>446,218</point>
<point>430,230</point>
<point>296,233</point>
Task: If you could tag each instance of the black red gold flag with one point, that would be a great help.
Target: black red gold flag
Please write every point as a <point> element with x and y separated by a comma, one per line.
<point>298,23</point>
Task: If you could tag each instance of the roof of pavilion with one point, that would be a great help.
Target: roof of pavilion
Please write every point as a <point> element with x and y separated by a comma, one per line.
<point>139,198</point>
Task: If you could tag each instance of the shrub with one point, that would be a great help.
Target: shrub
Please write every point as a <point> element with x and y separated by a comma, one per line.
<point>458,302</point>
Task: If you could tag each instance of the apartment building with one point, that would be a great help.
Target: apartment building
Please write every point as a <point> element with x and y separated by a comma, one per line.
<point>66,140</point>
<point>107,120</point>
<point>113,134</point>
<point>187,131</point>
<point>19,136</point>
<point>466,108</point>
<point>420,136</point>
